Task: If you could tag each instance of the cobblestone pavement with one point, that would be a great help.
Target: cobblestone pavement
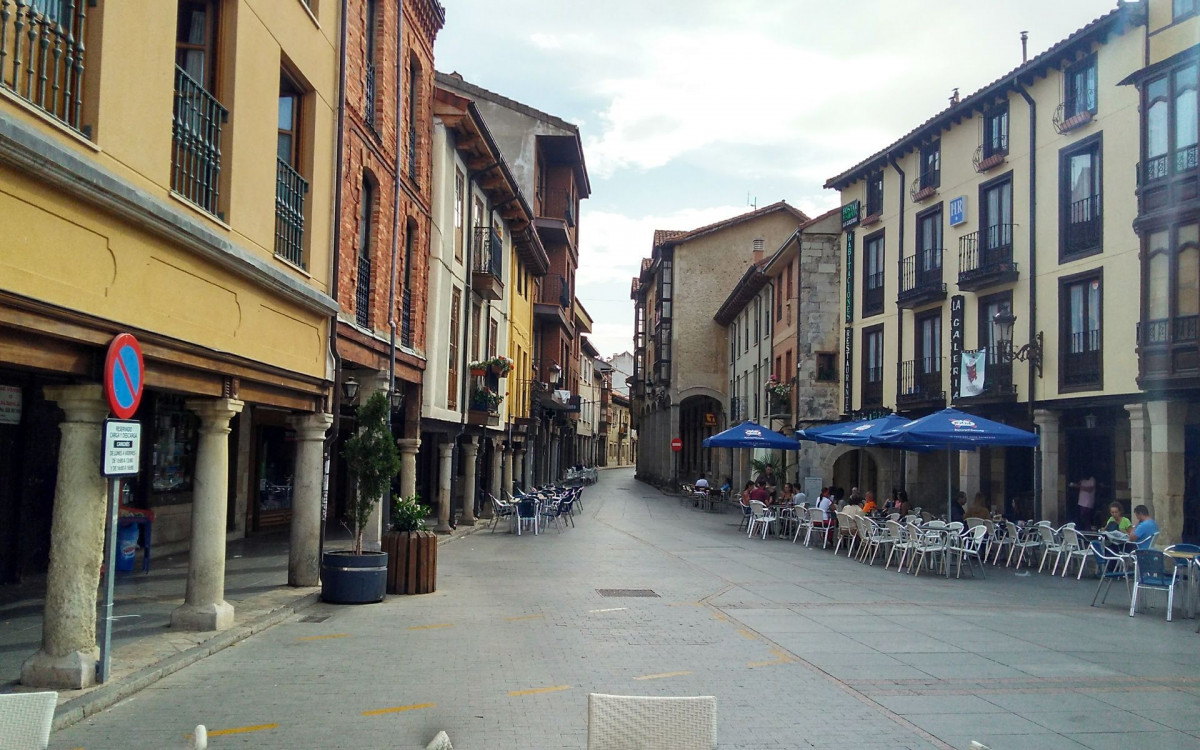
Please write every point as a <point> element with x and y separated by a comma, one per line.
<point>801,649</point>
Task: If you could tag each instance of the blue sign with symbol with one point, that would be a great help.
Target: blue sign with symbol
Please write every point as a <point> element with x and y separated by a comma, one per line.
<point>123,375</point>
<point>958,210</point>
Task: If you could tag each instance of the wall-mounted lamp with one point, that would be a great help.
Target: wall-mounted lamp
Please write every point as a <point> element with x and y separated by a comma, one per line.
<point>1002,327</point>
<point>349,388</point>
<point>1089,421</point>
<point>397,399</point>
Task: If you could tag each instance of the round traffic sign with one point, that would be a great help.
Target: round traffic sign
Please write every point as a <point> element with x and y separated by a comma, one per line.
<point>124,375</point>
<point>676,444</point>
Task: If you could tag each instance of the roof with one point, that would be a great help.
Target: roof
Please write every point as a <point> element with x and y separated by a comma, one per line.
<point>747,287</point>
<point>1131,13</point>
<point>662,235</point>
<point>768,267</point>
<point>671,237</point>
<point>588,348</point>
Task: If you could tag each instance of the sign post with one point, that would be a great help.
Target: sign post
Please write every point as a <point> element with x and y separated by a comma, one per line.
<point>124,383</point>
<point>676,446</point>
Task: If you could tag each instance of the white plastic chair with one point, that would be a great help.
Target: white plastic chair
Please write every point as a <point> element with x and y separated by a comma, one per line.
<point>899,544</point>
<point>760,516</point>
<point>25,720</point>
<point>802,523</point>
<point>1051,544</point>
<point>929,542</point>
<point>873,540</point>
<point>968,546</point>
<point>622,722</point>
<point>1076,548</point>
<point>818,522</point>
<point>846,532</point>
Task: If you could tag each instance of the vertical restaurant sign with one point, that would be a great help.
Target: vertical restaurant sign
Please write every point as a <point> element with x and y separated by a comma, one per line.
<point>850,276</point>
<point>848,373</point>
<point>10,404</point>
<point>958,319</point>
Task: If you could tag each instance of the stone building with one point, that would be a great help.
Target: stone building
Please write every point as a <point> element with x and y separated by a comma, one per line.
<point>139,196</point>
<point>622,371</point>
<point>681,374</point>
<point>383,204</point>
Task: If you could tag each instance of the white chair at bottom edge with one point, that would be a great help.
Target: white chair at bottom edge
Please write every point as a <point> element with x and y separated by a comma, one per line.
<point>622,722</point>
<point>25,720</point>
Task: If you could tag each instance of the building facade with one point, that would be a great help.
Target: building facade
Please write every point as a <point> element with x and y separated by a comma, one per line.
<point>142,184</point>
<point>980,252</point>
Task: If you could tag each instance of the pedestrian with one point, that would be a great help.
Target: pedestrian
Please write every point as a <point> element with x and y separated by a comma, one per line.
<point>1085,502</point>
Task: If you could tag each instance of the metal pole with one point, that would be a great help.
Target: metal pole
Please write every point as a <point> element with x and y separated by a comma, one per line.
<point>110,573</point>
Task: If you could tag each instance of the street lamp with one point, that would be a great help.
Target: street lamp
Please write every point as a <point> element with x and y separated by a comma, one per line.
<point>349,388</point>
<point>397,399</point>
<point>1002,328</point>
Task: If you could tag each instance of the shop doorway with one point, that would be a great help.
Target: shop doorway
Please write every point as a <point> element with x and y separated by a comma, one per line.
<point>1089,453</point>
<point>275,468</point>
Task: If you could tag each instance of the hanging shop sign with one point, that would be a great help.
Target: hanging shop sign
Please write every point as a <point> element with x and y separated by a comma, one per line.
<point>958,319</point>
<point>851,214</point>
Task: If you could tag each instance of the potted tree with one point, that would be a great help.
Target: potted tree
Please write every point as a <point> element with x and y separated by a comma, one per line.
<point>411,548</point>
<point>356,576</point>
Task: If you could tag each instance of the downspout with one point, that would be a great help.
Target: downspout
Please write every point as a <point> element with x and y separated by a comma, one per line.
<point>336,244</point>
<point>396,211</point>
<point>1032,233</point>
<point>899,274</point>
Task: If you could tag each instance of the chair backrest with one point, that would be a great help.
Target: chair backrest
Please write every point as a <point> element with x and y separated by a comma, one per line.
<point>847,522</point>
<point>910,518</point>
<point>895,530</point>
<point>26,718</point>
<point>1100,552</point>
<point>893,516</point>
<point>972,522</point>
<point>526,509</point>
<point>1046,534</point>
<point>976,535</point>
<point>1152,564</point>
<point>816,515</point>
<point>757,508</point>
<point>619,722</point>
<point>1073,540</point>
<point>866,527</point>
<point>926,516</point>
<point>1148,542</point>
<point>936,525</point>
<point>955,526</point>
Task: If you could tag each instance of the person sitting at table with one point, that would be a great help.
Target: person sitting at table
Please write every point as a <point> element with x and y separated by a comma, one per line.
<point>956,507</point>
<point>825,504</point>
<point>1145,529</point>
<point>1117,520</point>
<point>853,507</point>
<point>702,483</point>
<point>745,497</point>
<point>761,493</point>
<point>902,507</point>
<point>785,496</point>
<point>728,485</point>
<point>869,505</point>
<point>978,508</point>
<point>800,498</point>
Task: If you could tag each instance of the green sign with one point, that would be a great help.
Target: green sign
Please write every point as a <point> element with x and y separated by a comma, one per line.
<point>851,213</point>
<point>850,276</point>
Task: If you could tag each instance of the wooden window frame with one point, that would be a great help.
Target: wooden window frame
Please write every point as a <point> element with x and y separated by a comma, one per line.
<point>875,193</point>
<point>455,330</point>
<point>1069,72</point>
<point>991,149</point>
<point>1065,283</point>
<point>1095,144</point>
<point>868,243</point>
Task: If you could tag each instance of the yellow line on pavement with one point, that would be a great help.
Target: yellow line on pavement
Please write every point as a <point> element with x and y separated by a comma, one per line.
<point>535,691</point>
<point>323,637</point>
<point>397,709</point>
<point>523,617</point>
<point>719,615</point>
<point>242,730</point>
<point>433,627</point>
<point>685,604</point>
<point>661,676</point>
<point>781,657</point>
<point>748,634</point>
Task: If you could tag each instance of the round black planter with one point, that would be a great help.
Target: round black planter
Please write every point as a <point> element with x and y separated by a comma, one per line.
<point>347,578</point>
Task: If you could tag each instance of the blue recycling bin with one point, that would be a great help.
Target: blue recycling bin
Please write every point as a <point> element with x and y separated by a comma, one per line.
<point>127,545</point>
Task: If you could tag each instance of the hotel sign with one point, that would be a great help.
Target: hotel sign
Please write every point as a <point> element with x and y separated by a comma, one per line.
<point>958,319</point>
<point>958,210</point>
<point>851,213</point>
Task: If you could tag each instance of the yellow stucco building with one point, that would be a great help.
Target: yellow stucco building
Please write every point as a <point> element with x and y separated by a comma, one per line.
<point>167,171</point>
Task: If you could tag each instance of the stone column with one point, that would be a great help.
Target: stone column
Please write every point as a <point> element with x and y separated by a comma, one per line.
<point>408,465</point>
<point>445,466</point>
<point>372,382</point>
<point>968,479</point>
<point>304,558</point>
<point>204,606</point>
<point>470,450</point>
<point>67,658</point>
<point>1166,468</point>
<point>523,462</point>
<point>1139,458</point>
<point>506,476</point>
<point>1053,497</point>
<point>485,506</point>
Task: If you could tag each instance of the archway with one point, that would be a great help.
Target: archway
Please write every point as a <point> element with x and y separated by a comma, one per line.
<point>699,417</point>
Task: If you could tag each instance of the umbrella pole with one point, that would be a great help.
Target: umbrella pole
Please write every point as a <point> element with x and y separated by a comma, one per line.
<point>949,497</point>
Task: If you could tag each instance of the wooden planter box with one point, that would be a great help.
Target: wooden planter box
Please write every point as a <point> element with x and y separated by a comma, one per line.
<point>412,562</point>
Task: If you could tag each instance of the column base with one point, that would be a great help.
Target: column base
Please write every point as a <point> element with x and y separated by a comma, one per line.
<point>73,671</point>
<point>443,528</point>
<point>215,616</point>
<point>466,522</point>
<point>485,513</point>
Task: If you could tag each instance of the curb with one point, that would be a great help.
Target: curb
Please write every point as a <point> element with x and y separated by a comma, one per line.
<point>77,709</point>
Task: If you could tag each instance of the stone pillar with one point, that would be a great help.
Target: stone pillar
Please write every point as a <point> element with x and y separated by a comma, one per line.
<point>968,479</point>
<point>522,461</point>
<point>445,466</point>
<point>470,450</point>
<point>408,465</point>
<point>304,557</point>
<point>1053,494</point>
<point>372,382</point>
<point>506,476</point>
<point>1139,458</point>
<point>485,506</point>
<point>204,606</point>
<point>1166,468</point>
<point>67,658</point>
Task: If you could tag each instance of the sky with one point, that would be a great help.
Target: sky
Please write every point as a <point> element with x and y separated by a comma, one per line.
<point>693,111</point>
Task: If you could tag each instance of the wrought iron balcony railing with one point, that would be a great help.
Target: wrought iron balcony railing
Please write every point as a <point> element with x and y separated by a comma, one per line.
<point>991,153</point>
<point>873,294</point>
<point>369,95</point>
<point>986,256</point>
<point>362,293</point>
<point>196,136</point>
<point>1069,116</point>
<point>406,321</point>
<point>920,381</point>
<point>872,386</point>
<point>1082,363</point>
<point>487,251</point>
<point>921,275</point>
<point>290,189</point>
<point>1082,229</point>
<point>924,186</point>
<point>998,372</point>
<point>42,55</point>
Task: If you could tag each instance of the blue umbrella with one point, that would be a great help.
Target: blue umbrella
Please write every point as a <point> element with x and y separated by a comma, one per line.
<point>751,435</point>
<point>853,433</point>
<point>953,429</point>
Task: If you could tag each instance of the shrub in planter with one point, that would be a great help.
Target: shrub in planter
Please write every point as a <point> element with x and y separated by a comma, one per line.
<point>412,550</point>
<point>355,577</point>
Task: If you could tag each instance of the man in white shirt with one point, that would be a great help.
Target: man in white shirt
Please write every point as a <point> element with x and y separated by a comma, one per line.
<point>825,503</point>
<point>702,483</point>
<point>799,498</point>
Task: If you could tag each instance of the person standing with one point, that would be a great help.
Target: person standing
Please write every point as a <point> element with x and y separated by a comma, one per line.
<point>1086,502</point>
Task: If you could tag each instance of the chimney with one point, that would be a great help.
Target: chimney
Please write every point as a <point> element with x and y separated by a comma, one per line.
<point>1024,47</point>
<point>954,97</point>
<point>758,250</point>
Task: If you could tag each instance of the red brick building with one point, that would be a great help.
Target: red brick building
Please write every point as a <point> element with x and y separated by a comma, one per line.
<point>384,215</point>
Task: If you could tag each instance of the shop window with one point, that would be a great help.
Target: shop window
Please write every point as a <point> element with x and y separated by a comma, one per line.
<point>827,367</point>
<point>173,451</point>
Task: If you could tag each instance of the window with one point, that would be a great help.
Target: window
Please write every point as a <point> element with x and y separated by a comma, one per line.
<point>929,344</point>
<point>493,335</point>
<point>827,367</point>
<point>1080,329</point>
<point>1079,195</point>
<point>995,132</point>
<point>362,293</point>
<point>872,366</point>
<point>788,373</point>
<point>406,324</point>
<point>1171,122</point>
<point>1182,8</point>
<point>460,183</point>
<point>929,247</point>
<point>476,324</point>
<point>745,331</point>
<point>196,41</point>
<point>372,11</point>
<point>290,186</point>
<point>873,275</point>
<point>778,367</point>
<point>288,142</point>
<point>757,318</point>
<point>197,114</point>
<point>1080,88</point>
<point>931,165</point>
<point>452,371</point>
<point>998,374</point>
<point>875,194</point>
<point>995,208</point>
<point>414,75</point>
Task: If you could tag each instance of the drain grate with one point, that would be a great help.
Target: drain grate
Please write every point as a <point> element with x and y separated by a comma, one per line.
<point>626,592</point>
<point>314,618</point>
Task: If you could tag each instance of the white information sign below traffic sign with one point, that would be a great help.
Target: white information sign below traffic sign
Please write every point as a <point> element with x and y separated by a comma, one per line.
<point>10,404</point>
<point>122,447</point>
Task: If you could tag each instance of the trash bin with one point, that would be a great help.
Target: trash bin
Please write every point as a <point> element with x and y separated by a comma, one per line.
<point>127,544</point>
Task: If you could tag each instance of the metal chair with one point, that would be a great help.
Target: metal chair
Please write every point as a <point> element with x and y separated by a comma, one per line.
<point>527,512</point>
<point>760,516</point>
<point>1150,571</point>
<point>1112,566</point>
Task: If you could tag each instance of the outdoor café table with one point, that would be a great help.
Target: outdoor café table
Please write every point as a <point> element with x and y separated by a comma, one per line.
<point>1187,559</point>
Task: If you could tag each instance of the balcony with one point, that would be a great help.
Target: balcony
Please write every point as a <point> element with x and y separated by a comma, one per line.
<point>921,279</point>
<point>487,264</point>
<point>554,301</point>
<point>873,294</point>
<point>196,143</point>
<point>990,154</point>
<point>1067,117</point>
<point>1169,350</point>
<point>369,95</point>
<point>406,321</point>
<point>920,385</point>
<point>662,372</point>
<point>998,384</point>
<point>52,82</point>
<point>555,215</point>
<point>925,185</point>
<point>290,189</point>
<point>1081,230</point>
<point>1082,364</point>
<point>986,258</point>
<point>362,293</point>
<point>1168,181</point>
<point>872,387</point>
